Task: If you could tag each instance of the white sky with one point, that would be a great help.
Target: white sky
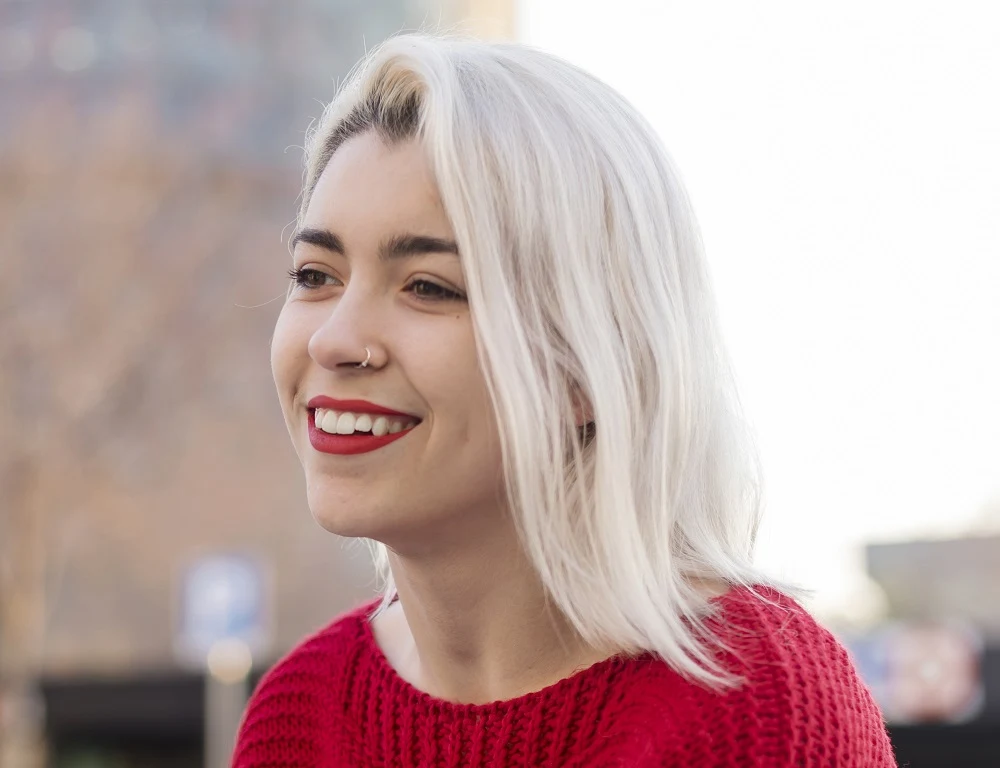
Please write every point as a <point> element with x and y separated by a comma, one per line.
<point>844,161</point>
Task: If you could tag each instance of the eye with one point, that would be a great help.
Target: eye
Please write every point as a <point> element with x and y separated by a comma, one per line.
<point>309,278</point>
<point>430,291</point>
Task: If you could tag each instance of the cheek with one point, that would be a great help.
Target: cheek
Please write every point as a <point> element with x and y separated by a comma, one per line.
<point>462,395</point>
<point>445,368</point>
<point>289,344</point>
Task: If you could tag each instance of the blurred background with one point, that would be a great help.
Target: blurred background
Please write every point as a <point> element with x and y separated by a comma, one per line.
<point>156,552</point>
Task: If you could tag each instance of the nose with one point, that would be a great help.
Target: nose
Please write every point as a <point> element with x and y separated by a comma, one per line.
<point>347,337</point>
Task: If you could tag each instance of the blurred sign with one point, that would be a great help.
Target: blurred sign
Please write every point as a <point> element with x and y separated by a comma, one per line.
<point>222,600</point>
<point>923,672</point>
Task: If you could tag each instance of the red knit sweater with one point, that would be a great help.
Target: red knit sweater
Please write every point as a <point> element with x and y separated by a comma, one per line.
<point>336,701</point>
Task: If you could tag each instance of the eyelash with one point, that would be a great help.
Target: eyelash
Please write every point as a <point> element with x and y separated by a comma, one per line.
<point>300,277</point>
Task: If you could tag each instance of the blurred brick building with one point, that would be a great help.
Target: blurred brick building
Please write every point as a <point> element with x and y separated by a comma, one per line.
<point>149,163</point>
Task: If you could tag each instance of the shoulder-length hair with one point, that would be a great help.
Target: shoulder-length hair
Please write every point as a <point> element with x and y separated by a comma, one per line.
<point>589,292</point>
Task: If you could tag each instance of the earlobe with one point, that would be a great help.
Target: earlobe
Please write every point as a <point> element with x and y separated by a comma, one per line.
<point>583,414</point>
<point>583,417</point>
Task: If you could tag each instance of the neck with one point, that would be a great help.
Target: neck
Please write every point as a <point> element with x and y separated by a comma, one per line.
<point>473,625</point>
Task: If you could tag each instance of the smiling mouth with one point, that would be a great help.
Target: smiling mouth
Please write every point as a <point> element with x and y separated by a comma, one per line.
<point>334,422</point>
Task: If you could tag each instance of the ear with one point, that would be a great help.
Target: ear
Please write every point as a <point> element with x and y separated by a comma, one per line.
<point>583,417</point>
<point>583,413</point>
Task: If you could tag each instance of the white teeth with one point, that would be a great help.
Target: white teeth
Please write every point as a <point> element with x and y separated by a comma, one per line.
<point>345,424</point>
<point>329,422</point>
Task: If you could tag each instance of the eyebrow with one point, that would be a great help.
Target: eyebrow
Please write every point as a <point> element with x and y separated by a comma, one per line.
<point>397,247</point>
<point>320,237</point>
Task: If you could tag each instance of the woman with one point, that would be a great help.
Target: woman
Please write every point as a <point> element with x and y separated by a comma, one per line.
<point>499,361</point>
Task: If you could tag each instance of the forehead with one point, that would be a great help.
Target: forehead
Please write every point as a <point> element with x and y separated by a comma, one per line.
<point>370,181</point>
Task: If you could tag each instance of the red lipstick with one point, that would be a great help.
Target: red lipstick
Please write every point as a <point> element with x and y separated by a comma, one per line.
<point>355,406</point>
<point>360,442</point>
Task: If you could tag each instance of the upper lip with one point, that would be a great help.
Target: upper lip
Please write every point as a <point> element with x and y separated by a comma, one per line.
<point>354,406</point>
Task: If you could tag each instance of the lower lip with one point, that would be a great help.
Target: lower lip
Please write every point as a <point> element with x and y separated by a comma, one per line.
<point>348,444</point>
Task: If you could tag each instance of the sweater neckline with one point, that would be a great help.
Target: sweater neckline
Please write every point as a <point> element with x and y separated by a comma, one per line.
<point>600,673</point>
<point>597,672</point>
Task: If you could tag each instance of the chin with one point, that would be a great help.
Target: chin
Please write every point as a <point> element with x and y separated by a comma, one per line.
<point>353,520</point>
<point>348,521</point>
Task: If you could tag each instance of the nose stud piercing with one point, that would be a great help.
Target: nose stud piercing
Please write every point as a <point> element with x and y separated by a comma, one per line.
<point>365,363</point>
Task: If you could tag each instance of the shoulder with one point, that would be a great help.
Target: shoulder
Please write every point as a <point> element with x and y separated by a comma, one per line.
<point>295,698</point>
<point>765,634</point>
<point>764,627</point>
<point>799,677</point>
<point>798,701</point>
<point>317,657</point>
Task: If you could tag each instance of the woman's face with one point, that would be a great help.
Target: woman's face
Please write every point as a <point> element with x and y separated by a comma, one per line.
<point>377,268</point>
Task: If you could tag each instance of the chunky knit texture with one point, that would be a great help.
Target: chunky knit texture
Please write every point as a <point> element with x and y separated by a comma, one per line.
<point>336,701</point>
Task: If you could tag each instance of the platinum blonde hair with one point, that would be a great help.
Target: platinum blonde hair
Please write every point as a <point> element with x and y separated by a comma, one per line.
<point>589,292</point>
